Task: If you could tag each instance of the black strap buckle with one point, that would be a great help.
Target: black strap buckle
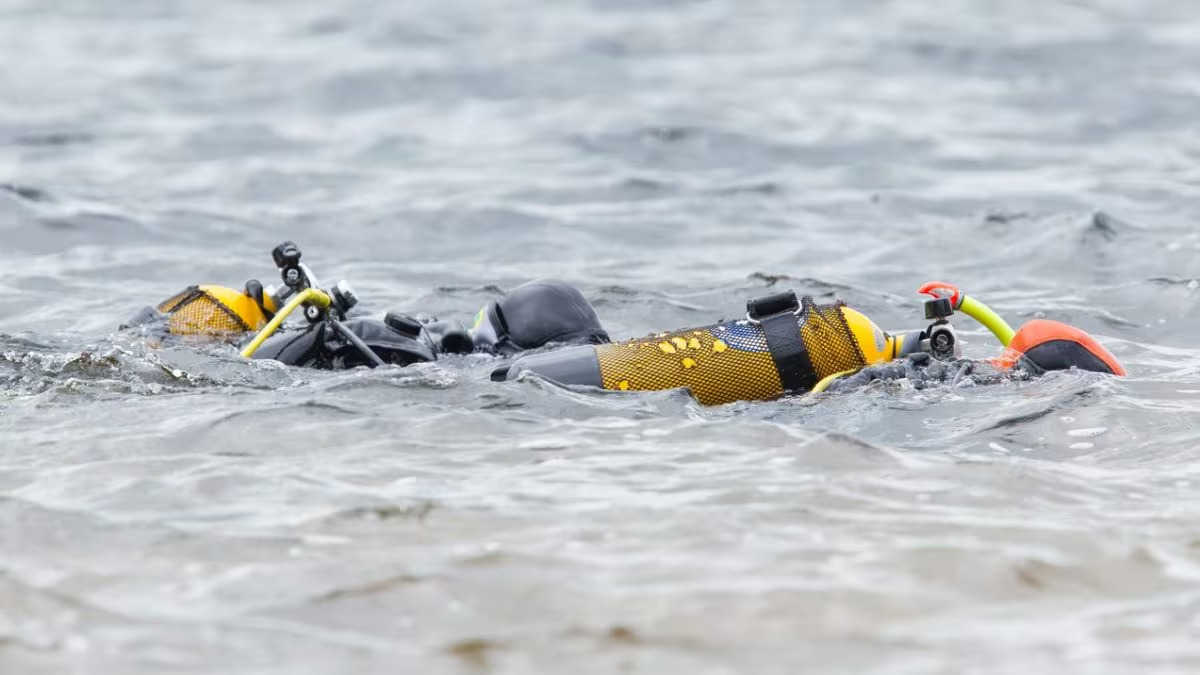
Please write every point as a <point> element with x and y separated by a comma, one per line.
<point>778,316</point>
<point>770,305</point>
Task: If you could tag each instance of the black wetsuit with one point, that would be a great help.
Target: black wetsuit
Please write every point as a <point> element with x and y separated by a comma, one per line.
<point>533,315</point>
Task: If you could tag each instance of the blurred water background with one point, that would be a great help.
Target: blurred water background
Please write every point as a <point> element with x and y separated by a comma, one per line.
<point>180,510</point>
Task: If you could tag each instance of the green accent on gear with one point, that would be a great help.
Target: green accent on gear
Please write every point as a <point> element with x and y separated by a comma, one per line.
<point>989,318</point>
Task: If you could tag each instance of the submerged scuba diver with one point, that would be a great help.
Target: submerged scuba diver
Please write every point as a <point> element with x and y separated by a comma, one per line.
<point>783,346</point>
<point>534,315</point>
<point>788,346</point>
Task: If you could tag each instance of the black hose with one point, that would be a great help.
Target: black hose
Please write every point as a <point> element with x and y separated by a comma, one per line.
<point>357,342</point>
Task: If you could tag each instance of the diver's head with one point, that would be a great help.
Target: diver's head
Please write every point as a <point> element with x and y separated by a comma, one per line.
<point>534,315</point>
<point>1041,345</point>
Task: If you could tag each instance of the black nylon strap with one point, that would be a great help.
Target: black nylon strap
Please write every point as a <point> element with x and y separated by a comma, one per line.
<point>254,289</point>
<point>782,332</point>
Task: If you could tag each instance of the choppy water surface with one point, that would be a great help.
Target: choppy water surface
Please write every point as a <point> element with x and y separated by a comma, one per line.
<point>180,510</point>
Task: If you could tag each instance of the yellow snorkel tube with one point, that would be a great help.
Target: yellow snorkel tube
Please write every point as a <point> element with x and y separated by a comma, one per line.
<point>973,308</point>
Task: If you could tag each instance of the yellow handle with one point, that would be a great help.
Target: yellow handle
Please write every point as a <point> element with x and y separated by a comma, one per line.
<point>313,295</point>
<point>828,380</point>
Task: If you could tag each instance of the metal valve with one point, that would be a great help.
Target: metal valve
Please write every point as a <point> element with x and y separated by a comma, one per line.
<point>343,296</point>
<point>940,338</point>
<point>943,342</point>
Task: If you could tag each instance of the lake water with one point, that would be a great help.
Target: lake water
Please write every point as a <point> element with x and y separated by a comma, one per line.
<point>181,510</point>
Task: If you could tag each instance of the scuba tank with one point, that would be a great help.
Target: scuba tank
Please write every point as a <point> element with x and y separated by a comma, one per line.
<point>783,345</point>
<point>215,311</point>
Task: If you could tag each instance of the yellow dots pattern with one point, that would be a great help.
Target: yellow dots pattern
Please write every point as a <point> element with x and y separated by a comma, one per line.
<point>714,371</point>
<point>693,359</point>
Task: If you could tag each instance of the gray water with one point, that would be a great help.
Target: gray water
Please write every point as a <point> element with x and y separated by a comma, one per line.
<point>180,510</point>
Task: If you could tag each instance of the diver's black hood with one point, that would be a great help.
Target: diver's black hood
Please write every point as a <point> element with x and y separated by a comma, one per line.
<point>536,314</point>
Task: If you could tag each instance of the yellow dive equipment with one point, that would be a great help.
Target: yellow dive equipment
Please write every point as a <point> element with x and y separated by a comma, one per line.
<point>225,312</point>
<point>308,296</point>
<point>214,311</point>
<point>319,306</point>
<point>939,338</point>
<point>783,345</point>
<point>734,362</point>
<point>971,307</point>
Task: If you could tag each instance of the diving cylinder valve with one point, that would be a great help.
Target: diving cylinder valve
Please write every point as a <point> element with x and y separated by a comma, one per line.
<point>942,340</point>
<point>344,297</point>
